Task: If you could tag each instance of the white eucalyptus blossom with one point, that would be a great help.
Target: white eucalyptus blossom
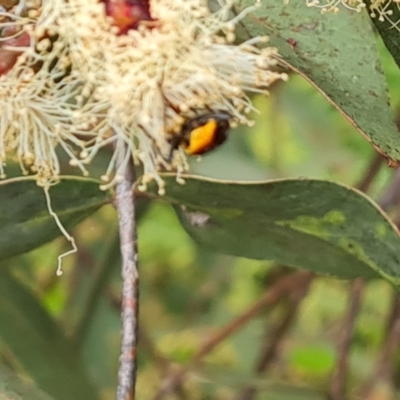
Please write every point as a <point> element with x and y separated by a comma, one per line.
<point>79,84</point>
<point>385,10</point>
<point>334,5</point>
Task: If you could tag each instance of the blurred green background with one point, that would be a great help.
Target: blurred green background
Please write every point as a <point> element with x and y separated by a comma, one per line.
<point>187,292</point>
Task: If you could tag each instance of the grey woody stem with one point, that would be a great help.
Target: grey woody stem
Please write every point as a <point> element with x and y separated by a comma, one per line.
<point>125,205</point>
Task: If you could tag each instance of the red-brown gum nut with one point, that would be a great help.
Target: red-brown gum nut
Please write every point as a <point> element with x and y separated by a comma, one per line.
<point>127,14</point>
<point>9,57</point>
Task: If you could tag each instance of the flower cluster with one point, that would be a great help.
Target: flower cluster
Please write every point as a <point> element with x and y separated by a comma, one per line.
<point>74,81</point>
<point>333,5</point>
<point>384,10</point>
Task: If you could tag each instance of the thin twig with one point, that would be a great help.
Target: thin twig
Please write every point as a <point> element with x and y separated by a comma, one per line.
<point>372,171</point>
<point>391,197</point>
<point>125,204</point>
<point>147,345</point>
<point>338,382</point>
<point>273,340</point>
<point>161,362</point>
<point>269,299</point>
<point>383,366</point>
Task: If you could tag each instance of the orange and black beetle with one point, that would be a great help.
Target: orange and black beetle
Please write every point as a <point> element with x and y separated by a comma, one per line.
<point>202,133</point>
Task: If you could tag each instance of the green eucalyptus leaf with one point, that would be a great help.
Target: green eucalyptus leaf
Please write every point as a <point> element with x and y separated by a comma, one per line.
<point>389,33</point>
<point>336,53</point>
<point>13,388</point>
<point>39,345</point>
<point>317,225</point>
<point>25,221</point>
